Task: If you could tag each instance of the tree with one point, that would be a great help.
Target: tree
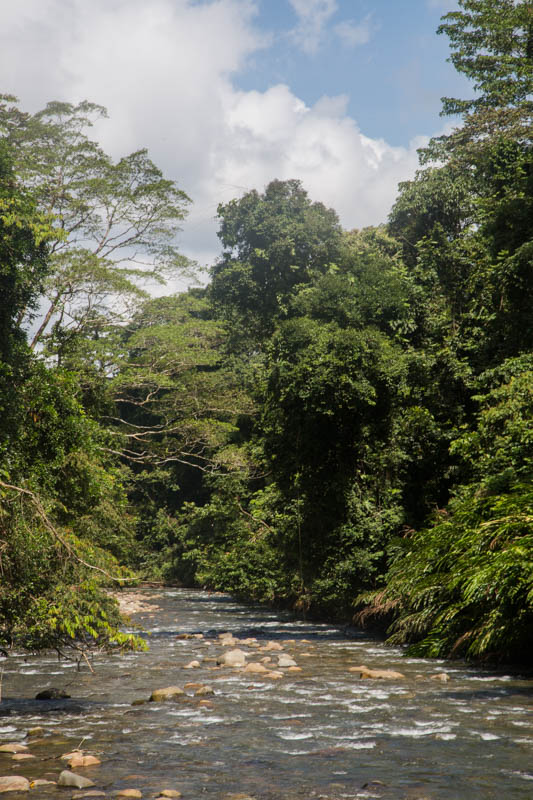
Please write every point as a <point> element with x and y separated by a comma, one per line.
<point>23,255</point>
<point>464,585</point>
<point>116,222</point>
<point>273,243</point>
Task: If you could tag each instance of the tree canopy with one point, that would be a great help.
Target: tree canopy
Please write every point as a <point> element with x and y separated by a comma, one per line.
<point>340,422</point>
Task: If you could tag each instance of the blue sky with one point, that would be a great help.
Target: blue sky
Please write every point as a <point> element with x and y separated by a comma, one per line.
<point>394,80</point>
<point>230,94</point>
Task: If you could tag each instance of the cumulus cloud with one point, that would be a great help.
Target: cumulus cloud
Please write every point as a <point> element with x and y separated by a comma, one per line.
<point>321,145</point>
<point>166,72</point>
<point>313,16</point>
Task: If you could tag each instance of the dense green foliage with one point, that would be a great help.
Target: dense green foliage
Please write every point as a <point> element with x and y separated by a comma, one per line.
<point>340,422</point>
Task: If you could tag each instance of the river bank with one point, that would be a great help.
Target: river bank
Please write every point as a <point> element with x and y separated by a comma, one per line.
<point>290,714</point>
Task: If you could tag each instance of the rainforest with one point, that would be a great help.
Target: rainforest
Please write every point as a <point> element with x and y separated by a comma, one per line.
<point>339,422</point>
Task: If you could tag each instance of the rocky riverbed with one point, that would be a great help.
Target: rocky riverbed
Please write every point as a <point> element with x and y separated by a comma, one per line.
<point>233,702</point>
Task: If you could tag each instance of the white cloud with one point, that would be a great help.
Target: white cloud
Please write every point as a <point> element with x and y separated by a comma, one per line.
<point>283,138</point>
<point>313,16</point>
<point>165,71</point>
<point>353,34</point>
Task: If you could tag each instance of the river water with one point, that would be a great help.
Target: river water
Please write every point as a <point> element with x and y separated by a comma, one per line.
<point>319,733</point>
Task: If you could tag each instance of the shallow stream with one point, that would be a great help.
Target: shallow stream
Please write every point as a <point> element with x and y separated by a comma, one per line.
<point>319,733</point>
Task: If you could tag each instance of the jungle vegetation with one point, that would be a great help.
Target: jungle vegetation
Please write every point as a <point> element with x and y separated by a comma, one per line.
<point>340,422</point>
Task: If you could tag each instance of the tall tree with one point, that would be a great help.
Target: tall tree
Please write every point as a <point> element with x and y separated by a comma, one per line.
<point>462,585</point>
<point>272,243</point>
<point>117,221</point>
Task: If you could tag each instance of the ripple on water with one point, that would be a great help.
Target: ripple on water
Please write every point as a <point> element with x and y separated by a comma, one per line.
<point>404,725</point>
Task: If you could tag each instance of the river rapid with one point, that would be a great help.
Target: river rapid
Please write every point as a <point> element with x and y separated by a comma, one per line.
<point>319,733</point>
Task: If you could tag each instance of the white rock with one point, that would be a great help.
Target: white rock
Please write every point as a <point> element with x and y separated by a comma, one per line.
<point>232,658</point>
<point>286,661</point>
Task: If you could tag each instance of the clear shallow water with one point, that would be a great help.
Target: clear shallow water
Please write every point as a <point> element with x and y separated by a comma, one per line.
<point>319,733</point>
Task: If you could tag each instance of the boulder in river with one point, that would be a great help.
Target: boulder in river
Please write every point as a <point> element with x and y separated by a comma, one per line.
<point>377,674</point>
<point>52,694</point>
<point>271,646</point>
<point>22,757</point>
<point>232,658</point>
<point>204,691</point>
<point>79,760</point>
<point>168,793</point>
<point>92,793</point>
<point>238,796</point>
<point>255,668</point>
<point>68,756</point>
<point>227,639</point>
<point>14,783</point>
<point>443,677</point>
<point>135,793</point>
<point>286,661</point>
<point>192,665</point>
<point>169,693</point>
<point>34,733</point>
<point>67,778</point>
<point>13,747</point>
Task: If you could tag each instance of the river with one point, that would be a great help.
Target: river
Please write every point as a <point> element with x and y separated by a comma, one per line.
<point>320,733</point>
